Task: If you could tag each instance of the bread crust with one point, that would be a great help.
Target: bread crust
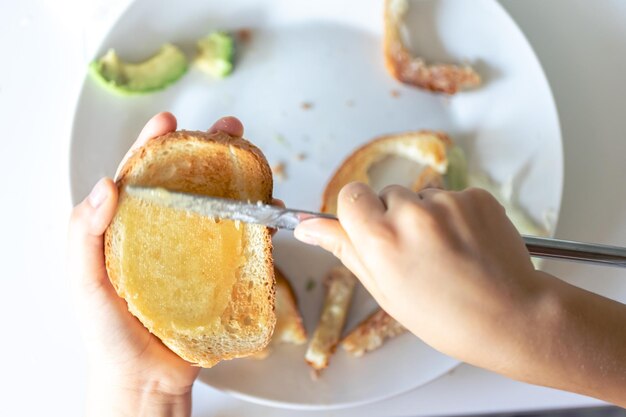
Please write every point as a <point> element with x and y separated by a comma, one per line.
<point>340,284</point>
<point>424,146</point>
<point>264,184</point>
<point>371,333</point>
<point>220,165</point>
<point>439,78</point>
<point>290,326</point>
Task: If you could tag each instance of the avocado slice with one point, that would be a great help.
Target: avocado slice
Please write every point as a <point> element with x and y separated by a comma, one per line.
<point>456,176</point>
<point>153,74</point>
<point>216,54</point>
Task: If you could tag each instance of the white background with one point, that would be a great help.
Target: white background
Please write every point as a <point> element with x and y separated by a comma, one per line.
<point>45,46</point>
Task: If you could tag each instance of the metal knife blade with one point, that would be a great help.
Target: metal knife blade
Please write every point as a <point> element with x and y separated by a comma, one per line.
<point>283,218</point>
<point>223,208</point>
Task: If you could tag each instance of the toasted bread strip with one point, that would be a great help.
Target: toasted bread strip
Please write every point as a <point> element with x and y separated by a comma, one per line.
<point>371,333</point>
<point>289,327</point>
<point>441,78</point>
<point>340,284</point>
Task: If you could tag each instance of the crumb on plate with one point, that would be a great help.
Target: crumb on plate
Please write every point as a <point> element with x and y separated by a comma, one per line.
<point>244,35</point>
<point>279,171</point>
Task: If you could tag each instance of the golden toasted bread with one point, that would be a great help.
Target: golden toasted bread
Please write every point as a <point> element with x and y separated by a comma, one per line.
<point>423,147</point>
<point>289,327</point>
<point>204,287</point>
<point>442,78</point>
<point>371,333</point>
<point>340,284</point>
<point>428,178</point>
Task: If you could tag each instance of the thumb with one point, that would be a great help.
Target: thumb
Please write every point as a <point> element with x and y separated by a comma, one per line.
<point>88,222</point>
<point>330,235</point>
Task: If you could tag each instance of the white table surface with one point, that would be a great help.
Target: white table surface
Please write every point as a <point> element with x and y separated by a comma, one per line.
<point>45,45</point>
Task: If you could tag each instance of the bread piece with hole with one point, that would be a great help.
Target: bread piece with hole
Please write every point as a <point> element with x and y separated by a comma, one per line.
<point>427,154</point>
<point>426,149</point>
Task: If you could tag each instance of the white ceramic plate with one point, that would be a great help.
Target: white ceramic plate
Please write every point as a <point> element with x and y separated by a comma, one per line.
<point>328,53</point>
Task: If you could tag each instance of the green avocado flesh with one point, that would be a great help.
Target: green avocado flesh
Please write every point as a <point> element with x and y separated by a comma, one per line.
<point>456,176</point>
<point>153,74</point>
<point>216,54</point>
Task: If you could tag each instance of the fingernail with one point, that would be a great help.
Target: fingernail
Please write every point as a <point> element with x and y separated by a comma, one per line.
<point>305,236</point>
<point>98,195</point>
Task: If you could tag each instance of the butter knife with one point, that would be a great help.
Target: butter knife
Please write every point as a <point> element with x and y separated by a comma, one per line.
<point>285,218</point>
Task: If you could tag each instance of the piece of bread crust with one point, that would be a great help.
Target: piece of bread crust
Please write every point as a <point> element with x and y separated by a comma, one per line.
<point>289,327</point>
<point>214,164</point>
<point>340,283</point>
<point>424,147</point>
<point>441,78</point>
<point>371,333</point>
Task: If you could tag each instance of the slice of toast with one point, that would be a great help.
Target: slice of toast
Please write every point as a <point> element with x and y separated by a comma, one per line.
<point>441,78</point>
<point>205,287</point>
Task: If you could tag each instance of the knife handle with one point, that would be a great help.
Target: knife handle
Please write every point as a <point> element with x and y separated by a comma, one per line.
<point>592,253</point>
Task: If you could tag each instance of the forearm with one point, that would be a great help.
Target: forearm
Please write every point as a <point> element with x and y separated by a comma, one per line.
<point>121,400</point>
<point>573,340</point>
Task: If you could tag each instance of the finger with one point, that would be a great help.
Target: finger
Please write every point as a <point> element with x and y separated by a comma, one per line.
<point>278,202</point>
<point>88,222</point>
<point>359,195</point>
<point>358,209</point>
<point>428,194</point>
<point>230,125</point>
<point>158,125</point>
<point>396,195</point>
<point>329,235</point>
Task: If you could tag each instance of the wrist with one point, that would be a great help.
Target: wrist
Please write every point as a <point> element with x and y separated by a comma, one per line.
<point>527,346</point>
<point>115,396</point>
<point>509,325</point>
